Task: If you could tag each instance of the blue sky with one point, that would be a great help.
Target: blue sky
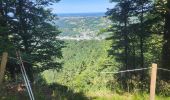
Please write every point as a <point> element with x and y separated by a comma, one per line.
<point>81,6</point>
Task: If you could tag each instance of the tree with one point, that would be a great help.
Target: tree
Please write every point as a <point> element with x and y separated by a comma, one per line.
<point>32,31</point>
<point>130,31</point>
<point>4,41</point>
<point>120,16</point>
<point>166,45</point>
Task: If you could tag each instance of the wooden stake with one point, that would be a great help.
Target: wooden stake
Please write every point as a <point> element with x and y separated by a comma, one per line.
<point>3,66</point>
<point>153,81</point>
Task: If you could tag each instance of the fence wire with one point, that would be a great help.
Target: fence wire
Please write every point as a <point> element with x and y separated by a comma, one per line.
<point>132,70</point>
<point>124,71</point>
<point>17,60</point>
<point>164,69</point>
<point>26,80</point>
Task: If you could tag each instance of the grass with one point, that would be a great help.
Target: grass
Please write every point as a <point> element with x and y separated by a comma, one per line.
<point>125,96</point>
<point>60,92</point>
<point>43,92</point>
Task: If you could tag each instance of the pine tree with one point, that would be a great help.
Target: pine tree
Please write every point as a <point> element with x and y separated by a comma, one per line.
<point>32,31</point>
<point>121,46</point>
<point>130,31</point>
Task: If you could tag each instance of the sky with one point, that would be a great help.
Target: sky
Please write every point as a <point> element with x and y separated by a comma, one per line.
<point>81,6</point>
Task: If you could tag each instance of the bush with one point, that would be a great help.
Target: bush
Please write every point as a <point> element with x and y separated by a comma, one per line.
<point>163,88</point>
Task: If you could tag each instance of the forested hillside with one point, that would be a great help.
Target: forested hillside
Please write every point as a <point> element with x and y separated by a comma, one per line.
<point>82,63</point>
<point>84,56</point>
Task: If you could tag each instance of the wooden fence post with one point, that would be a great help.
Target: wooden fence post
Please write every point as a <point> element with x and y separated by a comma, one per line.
<point>153,81</point>
<point>3,66</point>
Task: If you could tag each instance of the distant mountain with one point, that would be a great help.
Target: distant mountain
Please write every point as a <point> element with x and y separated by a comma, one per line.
<point>97,14</point>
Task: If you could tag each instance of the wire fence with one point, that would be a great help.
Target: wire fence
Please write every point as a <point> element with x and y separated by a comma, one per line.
<point>24,74</point>
<point>17,60</point>
<point>164,69</point>
<point>133,70</point>
<point>123,71</point>
<point>25,77</point>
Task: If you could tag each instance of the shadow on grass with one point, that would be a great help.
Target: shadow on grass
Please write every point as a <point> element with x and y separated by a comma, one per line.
<point>43,92</point>
<point>61,92</point>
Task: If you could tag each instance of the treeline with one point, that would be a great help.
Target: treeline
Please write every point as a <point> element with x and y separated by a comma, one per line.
<point>141,36</point>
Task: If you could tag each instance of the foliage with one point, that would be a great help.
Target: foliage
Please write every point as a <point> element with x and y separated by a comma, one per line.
<point>26,26</point>
<point>166,33</point>
<point>83,62</point>
<point>164,88</point>
<point>137,39</point>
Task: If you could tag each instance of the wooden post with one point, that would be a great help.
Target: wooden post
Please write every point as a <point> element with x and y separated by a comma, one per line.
<point>3,65</point>
<point>153,81</point>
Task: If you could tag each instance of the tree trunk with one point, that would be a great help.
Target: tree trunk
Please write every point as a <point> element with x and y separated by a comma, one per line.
<point>3,66</point>
<point>142,40</point>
